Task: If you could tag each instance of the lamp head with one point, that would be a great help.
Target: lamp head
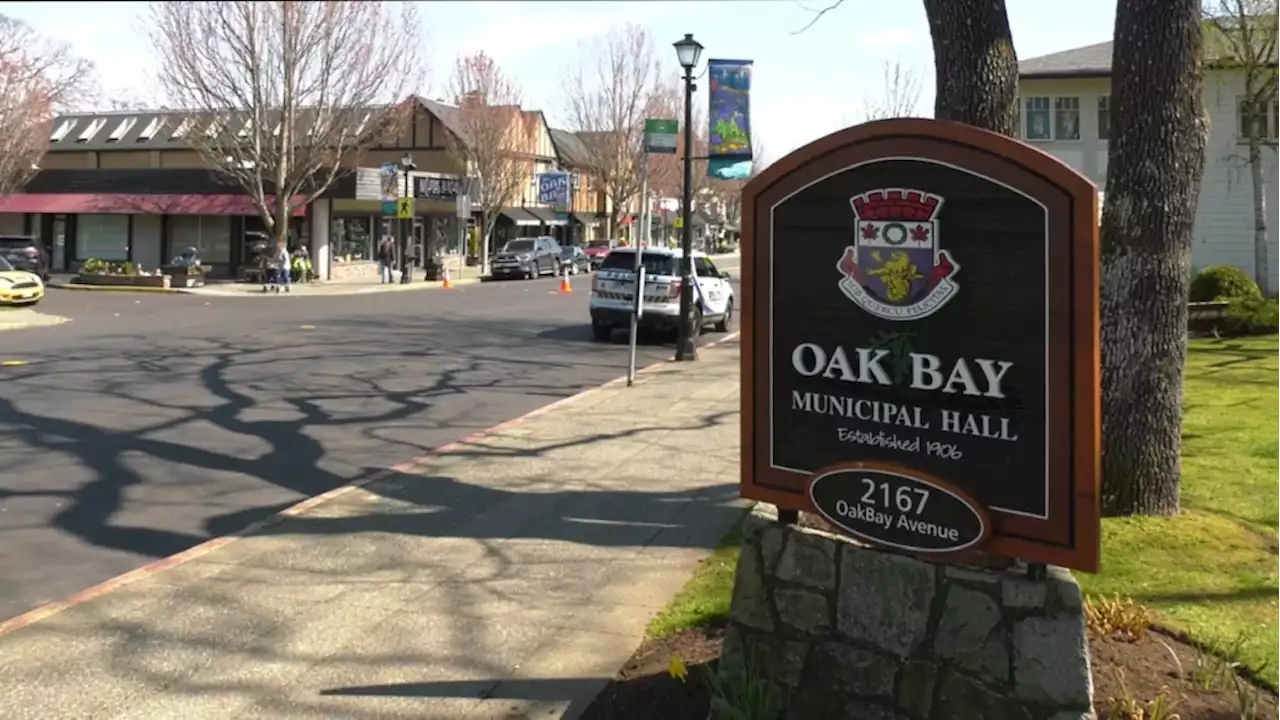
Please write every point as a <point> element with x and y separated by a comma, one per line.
<point>406,162</point>
<point>688,51</point>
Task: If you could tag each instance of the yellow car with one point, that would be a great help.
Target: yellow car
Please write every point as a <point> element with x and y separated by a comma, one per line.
<point>19,287</point>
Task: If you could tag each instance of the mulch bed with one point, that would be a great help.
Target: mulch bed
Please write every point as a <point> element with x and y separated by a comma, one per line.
<point>643,690</point>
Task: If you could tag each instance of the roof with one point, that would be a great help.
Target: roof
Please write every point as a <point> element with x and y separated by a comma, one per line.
<point>164,128</point>
<point>570,148</point>
<point>1088,61</point>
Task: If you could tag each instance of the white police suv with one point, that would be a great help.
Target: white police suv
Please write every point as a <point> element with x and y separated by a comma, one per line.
<point>613,291</point>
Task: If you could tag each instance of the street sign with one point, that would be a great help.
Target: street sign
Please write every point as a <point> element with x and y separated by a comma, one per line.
<point>951,350</point>
<point>463,206</point>
<point>404,208</point>
<point>388,208</point>
<point>679,222</point>
<point>660,136</point>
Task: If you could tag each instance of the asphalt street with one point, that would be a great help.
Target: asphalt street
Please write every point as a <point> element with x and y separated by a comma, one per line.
<point>150,423</point>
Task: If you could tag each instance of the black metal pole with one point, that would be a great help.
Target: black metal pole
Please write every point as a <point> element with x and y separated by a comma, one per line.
<point>687,345</point>
<point>406,229</point>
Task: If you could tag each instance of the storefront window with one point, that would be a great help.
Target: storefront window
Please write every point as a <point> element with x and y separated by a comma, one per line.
<point>209,234</point>
<point>105,237</point>
<point>351,239</point>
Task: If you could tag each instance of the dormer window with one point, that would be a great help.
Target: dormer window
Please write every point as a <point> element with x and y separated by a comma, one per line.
<point>125,126</point>
<point>62,130</point>
<point>214,125</point>
<point>182,129</point>
<point>246,128</point>
<point>94,128</point>
<point>151,129</point>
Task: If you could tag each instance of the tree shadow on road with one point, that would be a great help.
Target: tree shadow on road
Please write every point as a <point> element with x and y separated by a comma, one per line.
<point>228,429</point>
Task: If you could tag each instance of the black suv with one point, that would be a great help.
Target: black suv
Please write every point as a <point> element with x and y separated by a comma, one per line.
<point>527,258</point>
<point>25,253</point>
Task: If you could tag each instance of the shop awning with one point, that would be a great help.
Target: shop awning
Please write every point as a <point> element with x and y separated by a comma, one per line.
<point>113,204</point>
<point>518,216</point>
<point>584,219</point>
<point>546,216</point>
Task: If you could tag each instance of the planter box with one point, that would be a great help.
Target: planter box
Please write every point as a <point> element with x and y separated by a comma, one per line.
<point>156,281</point>
<point>184,276</point>
<point>473,261</point>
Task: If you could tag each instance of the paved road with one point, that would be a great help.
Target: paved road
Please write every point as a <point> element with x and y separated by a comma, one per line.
<point>153,422</point>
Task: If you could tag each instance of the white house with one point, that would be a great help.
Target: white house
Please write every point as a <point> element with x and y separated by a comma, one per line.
<point>1064,108</point>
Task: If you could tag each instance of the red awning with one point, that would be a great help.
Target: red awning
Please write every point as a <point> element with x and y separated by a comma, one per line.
<point>109,204</point>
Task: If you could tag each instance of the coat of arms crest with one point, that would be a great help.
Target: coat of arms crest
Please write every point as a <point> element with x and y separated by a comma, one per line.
<point>895,269</point>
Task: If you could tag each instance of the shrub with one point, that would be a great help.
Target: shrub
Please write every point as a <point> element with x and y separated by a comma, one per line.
<point>1222,282</point>
<point>1251,316</point>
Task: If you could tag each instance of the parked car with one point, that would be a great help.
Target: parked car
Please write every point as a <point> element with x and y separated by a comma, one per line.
<point>527,258</point>
<point>614,284</point>
<point>574,260</point>
<point>19,287</point>
<point>597,250</point>
<point>24,252</point>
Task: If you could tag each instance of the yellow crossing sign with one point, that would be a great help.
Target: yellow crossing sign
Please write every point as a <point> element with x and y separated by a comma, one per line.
<point>404,208</point>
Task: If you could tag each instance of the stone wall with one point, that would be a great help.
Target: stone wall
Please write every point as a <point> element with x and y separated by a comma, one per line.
<point>859,633</point>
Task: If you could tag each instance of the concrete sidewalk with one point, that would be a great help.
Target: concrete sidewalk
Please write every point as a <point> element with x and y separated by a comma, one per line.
<point>507,576</point>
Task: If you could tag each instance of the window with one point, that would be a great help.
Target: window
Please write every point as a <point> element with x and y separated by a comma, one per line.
<point>703,267</point>
<point>351,239</point>
<point>654,263</point>
<point>105,237</point>
<point>151,129</point>
<point>1017,120</point>
<point>210,235</point>
<point>1104,117</point>
<point>1258,118</point>
<point>62,130</point>
<point>182,128</point>
<point>92,130</point>
<point>124,127</point>
<point>1066,118</point>
<point>1038,127</point>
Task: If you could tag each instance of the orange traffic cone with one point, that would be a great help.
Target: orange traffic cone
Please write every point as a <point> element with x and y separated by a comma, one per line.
<point>448,281</point>
<point>565,287</point>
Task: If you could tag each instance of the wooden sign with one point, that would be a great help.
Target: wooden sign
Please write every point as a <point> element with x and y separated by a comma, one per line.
<point>920,341</point>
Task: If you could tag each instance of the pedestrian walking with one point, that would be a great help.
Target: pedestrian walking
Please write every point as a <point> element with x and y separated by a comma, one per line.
<point>386,258</point>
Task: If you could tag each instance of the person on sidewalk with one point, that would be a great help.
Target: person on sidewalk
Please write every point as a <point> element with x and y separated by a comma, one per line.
<point>386,258</point>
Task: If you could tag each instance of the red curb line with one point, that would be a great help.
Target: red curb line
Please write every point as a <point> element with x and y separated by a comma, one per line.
<point>48,610</point>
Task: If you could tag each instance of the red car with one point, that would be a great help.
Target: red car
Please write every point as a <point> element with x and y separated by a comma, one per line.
<point>596,251</point>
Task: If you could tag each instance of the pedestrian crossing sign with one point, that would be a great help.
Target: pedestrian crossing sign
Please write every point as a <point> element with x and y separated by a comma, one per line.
<point>404,208</point>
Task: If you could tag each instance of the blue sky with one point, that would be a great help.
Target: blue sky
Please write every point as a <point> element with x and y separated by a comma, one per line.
<point>804,86</point>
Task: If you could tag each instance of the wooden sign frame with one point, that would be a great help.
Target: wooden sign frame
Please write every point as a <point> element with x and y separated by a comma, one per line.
<point>1068,532</point>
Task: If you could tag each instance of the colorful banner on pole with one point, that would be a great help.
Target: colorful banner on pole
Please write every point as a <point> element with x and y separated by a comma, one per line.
<point>729,149</point>
<point>553,190</point>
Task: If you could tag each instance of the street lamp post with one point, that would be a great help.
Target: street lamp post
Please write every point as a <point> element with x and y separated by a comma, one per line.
<point>688,51</point>
<point>406,226</point>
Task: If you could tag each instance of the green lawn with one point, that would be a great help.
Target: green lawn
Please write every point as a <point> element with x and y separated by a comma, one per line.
<point>1212,571</point>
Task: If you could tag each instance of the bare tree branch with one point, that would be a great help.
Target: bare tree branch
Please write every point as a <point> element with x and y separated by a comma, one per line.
<point>814,20</point>
<point>496,138</point>
<point>607,96</point>
<point>1242,37</point>
<point>277,95</point>
<point>38,77</point>
<point>899,96</point>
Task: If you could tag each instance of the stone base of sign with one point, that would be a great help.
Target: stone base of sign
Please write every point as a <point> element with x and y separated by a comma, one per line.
<point>848,631</point>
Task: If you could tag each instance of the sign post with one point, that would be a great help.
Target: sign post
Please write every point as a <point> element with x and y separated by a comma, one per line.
<point>637,306</point>
<point>925,374</point>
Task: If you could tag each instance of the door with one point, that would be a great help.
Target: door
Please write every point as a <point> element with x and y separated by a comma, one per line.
<point>713,290</point>
<point>60,242</point>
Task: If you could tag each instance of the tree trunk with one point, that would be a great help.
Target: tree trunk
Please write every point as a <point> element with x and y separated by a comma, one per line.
<point>1261,270</point>
<point>975,66</point>
<point>1157,153</point>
